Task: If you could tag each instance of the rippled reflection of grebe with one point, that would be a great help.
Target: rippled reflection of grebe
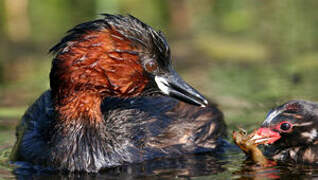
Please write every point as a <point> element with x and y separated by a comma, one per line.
<point>104,107</point>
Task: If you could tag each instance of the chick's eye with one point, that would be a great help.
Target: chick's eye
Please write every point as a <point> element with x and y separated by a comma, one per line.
<point>285,126</point>
<point>151,66</point>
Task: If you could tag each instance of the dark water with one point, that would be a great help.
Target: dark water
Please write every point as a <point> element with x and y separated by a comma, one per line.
<point>228,165</point>
<point>231,165</point>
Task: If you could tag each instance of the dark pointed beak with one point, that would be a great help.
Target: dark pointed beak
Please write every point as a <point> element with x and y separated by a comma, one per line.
<point>174,86</point>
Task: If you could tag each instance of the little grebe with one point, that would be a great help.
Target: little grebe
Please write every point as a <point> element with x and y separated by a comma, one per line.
<point>104,107</point>
<point>290,132</point>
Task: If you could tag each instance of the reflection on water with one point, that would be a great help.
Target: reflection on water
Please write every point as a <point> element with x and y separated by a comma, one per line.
<point>182,167</point>
<point>229,165</point>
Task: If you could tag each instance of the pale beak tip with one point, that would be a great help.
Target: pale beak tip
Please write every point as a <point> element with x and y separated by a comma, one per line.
<point>205,103</point>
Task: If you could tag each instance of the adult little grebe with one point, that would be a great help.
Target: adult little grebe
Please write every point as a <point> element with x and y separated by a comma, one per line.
<point>291,133</point>
<point>104,108</point>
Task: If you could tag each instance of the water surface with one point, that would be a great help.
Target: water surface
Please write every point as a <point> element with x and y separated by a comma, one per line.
<point>229,165</point>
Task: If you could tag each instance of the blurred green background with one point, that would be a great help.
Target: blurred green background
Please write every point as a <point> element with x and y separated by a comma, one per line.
<point>246,55</point>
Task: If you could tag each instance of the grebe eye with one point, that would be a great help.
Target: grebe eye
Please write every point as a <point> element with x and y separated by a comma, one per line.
<point>285,126</point>
<point>151,66</point>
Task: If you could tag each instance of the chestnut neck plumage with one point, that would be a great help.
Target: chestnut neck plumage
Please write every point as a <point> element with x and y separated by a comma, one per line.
<point>82,106</point>
<point>93,66</point>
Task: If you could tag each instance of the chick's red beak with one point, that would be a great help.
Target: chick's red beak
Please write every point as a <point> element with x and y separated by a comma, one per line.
<point>265,136</point>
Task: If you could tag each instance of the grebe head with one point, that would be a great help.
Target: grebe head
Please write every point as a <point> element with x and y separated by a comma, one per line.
<point>116,56</point>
